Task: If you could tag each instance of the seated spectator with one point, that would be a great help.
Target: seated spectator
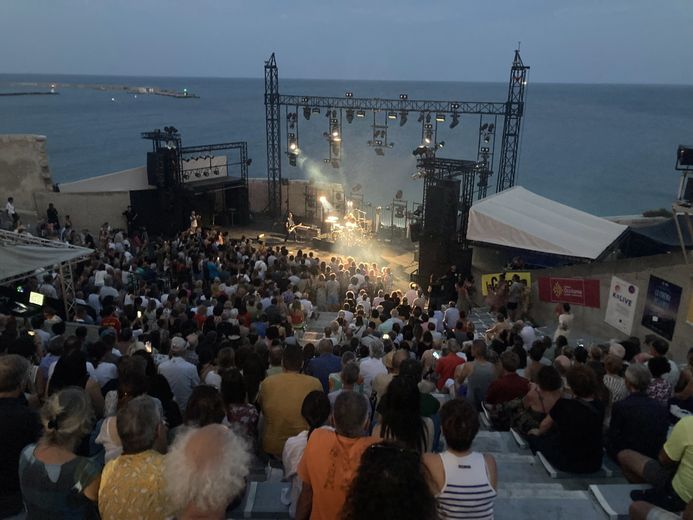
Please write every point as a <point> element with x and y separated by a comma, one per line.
<point>509,385</point>
<point>331,459</point>
<point>539,401</point>
<point>181,375</point>
<point>373,365</point>
<point>641,510</point>
<point>325,364</point>
<point>638,422</point>
<point>476,376</point>
<point>613,380</point>
<point>275,358</point>
<point>315,410</point>
<point>349,378</point>
<point>19,426</point>
<point>241,416</point>
<point>381,381</point>
<point>464,481</point>
<point>445,367</point>
<point>428,404</point>
<point>280,399</point>
<point>659,389</point>
<point>570,437</point>
<point>205,406</point>
<point>71,370</point>
<point>670,475</point>
<point>104,371</point>
<point>205,471</point>
<point>659,348</point>
<point>67,417</point>
<point>132,485</point>
<point>390,483</point>
<point>535,354</point>
<point>400,416</point>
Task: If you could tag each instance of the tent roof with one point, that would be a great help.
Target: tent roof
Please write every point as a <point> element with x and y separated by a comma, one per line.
<point>23,254</point>
<point>521,219</point>
<point>665,232</point>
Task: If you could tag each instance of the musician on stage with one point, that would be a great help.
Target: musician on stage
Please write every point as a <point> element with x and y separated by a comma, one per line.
<point>290,227</point>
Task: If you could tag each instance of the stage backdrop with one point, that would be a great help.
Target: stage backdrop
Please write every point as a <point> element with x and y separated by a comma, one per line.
<point>620,308</point>
<point>575,291</point>
<point>661,307</point>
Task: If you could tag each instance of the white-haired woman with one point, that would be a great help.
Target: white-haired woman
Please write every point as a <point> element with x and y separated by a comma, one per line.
<point>55,482</point>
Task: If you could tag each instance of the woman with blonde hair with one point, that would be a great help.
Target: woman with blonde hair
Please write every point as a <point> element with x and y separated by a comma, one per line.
<point>55,482</point>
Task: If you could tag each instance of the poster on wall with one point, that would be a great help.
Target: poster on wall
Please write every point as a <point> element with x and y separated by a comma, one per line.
<point>575,291</point>
<point>489,281</point>
<point>620,308</point>
<point>661,307</point>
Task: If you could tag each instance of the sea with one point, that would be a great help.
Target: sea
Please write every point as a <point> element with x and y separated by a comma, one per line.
<point>605,149</point>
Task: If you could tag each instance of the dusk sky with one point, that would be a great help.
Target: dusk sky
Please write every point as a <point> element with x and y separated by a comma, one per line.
<point>568,41</point>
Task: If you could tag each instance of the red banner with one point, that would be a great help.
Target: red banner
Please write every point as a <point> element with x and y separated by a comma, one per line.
<point>576,291</point>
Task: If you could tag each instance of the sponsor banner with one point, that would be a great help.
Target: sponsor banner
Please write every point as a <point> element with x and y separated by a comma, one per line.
<point>575,291</point>
<point>661,307</point>
<point>490,281</point>
<point>620,307</point>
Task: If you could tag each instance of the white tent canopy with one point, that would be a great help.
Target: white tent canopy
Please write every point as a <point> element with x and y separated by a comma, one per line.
<point>521,219</point>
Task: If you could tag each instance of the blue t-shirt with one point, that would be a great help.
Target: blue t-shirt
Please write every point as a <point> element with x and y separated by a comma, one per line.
<point>322,366</point>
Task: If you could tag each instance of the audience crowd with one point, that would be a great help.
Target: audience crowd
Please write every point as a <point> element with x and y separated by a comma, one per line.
<point>185,369</point>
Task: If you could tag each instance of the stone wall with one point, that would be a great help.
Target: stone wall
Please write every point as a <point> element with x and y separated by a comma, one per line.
<point>87,210</point>
<point>24,170</point>
<point>636,271</point>
<point>293,193</point>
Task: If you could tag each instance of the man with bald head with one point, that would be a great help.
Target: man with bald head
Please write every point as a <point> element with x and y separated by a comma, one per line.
<point>325,364</point>
<point>205,471</point>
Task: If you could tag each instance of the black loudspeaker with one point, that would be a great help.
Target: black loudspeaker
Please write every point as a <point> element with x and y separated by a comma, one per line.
<point>440,213</point>
<point>415,231</point>
<point>155,170</point>
<point>686,193</point>
<point>684,155</point>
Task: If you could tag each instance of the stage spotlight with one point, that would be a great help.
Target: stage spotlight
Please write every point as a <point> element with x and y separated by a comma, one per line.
<point>349,94</point>
<point>419,150</point>
<point>491,127</point>
<point>360,114</point>
<point>216,171</point>
<point>440,118</point>
<point>454,106</point>
<point>440,144</point>
<point>306,112</point>
<point>392,115</point>
<point>421,117</point>
<point>403,97</point>
<point>304,99</point>
<point>349,115</point>
<point>402,118</point>
<point>455,120</point>
<point>323,199</point>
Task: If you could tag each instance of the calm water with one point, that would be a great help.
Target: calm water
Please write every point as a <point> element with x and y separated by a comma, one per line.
<point>606,149</point>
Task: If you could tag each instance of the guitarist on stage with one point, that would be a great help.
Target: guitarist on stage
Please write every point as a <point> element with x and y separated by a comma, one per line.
<point>290,227</point>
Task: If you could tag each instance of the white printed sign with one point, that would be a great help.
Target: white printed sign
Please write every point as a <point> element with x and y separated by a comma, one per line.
<point>620,307</point>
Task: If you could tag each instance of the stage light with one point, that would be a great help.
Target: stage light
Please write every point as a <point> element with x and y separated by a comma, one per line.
<point>440,144</point>
<point>440,118</point>
<point>360,114</point>
<point>484,127</point>
<point>349,115</point>
<point>349,94</point>
<point>403,97</point>
<point>491,127</point>
<point>427,140</point>
<point>454,106</point>
<point>322,199</point>
<point>216,171</point>
<point>455,120</point>
<point>402,118</point>
<point>421,117</point>
<point>428,117</point>
<point>304,99</point>
<point>306,112</point>
<point>293,147</point>
<point>315,110</point>
<point>419,150</point>
<point>392,115</point>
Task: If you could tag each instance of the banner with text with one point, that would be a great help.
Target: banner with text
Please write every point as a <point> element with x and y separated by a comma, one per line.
<point>620,308</point>
<point>575,291</point>
<point>661,307</point>
<point>490,281</point>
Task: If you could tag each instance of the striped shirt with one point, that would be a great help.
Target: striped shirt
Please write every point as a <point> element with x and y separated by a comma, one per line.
<point>467,493</point>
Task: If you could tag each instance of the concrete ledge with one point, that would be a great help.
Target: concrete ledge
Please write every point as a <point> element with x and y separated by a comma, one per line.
<point>604,472</point>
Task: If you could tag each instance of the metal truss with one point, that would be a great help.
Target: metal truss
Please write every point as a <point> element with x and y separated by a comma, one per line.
<point>273,132</point>
<point>396,105</point>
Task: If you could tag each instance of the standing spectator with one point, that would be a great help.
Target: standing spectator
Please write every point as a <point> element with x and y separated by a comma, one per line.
<point>19,426</point>
<point>205,471</point>
<point>331,459</point>
<point>280,399</point>
<point>67,417</point>
<point>445,367</point>
<point>12,212</point>
<point>464,480</point>
<point>638,422</point>
<point>181,375</point>
<point>132,485</point>
<point>565,321</point>
<point>52,216</point>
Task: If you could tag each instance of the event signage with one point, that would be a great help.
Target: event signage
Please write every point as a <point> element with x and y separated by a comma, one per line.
<point>661,307</point>
<point>490,281</point>
<point>620,308</point>
<point>575,291</point>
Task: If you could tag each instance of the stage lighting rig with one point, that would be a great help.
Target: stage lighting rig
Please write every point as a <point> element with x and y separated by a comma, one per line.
<point>360,114</point>
<point>349,94</point>
<point>421,117</point>
<point>403,97</point>
<point>440,118</point>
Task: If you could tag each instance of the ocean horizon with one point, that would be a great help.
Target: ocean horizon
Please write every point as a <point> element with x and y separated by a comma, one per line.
<point>608,149</point>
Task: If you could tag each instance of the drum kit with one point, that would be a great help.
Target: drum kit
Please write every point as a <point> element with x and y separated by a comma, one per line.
<point>351,230</point>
